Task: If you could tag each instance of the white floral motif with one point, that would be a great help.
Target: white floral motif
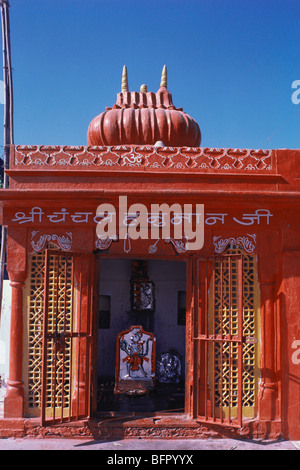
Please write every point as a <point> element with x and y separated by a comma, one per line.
<point>104,243</point>
<point>63,241</point>
<point>179,245</point>
<point>247,242</point>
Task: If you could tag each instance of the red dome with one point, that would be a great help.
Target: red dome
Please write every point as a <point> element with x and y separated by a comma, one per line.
<point>144,118</point>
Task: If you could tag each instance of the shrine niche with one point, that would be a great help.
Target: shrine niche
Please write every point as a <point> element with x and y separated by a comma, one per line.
<point>142,302</point>
<point>114,276</point>
<point>142,289</point>
<point>169,368</point>
<point>135,361</point>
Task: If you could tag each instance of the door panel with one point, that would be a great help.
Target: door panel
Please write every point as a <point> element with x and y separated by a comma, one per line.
<point>223,342</point>
<point>67,336</point>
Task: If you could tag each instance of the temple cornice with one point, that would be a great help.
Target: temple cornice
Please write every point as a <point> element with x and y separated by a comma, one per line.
<point>135,158</point>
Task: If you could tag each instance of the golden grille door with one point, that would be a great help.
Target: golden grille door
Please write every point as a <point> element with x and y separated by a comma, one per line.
<point>225,341</point>
<point>67,334</point>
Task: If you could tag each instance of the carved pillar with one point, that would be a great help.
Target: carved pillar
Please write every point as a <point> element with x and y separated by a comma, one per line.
<point>17,271</point>
<point>289,301</point>
<point>268,385</point>
<point>83,276</point>
<point>14,398</point>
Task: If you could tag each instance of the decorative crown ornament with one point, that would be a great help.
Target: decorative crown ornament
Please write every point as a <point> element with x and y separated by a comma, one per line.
<point>144,118</point>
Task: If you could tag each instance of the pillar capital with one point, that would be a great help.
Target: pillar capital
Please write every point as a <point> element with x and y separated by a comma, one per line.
<point>17,278</point>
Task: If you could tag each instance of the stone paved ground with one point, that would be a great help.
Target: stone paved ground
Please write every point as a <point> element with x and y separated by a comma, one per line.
<point>136,445</point>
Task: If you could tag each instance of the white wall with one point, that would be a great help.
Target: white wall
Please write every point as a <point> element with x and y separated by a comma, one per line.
<point>169,277</point>
<point>5,330</point>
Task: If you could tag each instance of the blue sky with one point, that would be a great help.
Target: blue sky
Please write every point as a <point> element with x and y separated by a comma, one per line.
<point>231,65</point>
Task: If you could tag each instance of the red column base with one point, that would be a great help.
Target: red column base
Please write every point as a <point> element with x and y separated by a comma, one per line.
<point>267,401</point>
<point>14,400</point>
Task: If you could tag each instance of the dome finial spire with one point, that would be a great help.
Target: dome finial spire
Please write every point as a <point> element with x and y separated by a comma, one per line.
<point>163,80</point>
<point>124,85</point>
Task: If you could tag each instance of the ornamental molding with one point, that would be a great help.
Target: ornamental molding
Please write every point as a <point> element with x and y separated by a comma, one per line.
<point>62,241</point>
<point>151,157</point>
<point>246,242</point>
<point>104,244</point>
<point>178,245</point>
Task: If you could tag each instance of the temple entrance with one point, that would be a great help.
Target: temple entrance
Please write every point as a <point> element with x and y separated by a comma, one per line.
<point>141,308</point>
<point>129,353</point>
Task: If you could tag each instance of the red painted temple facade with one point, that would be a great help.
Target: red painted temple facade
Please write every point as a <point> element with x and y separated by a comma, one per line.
<point>241,334</point>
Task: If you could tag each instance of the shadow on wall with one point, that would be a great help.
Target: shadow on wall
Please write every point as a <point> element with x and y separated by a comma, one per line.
<point>5,332</point>
<point>4,341</point>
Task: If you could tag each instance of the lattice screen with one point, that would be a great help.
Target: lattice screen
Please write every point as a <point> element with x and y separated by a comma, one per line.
<point>227,321</point>
<point>35,329</point>
<point>59,324</point>
<point>58,367</point>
